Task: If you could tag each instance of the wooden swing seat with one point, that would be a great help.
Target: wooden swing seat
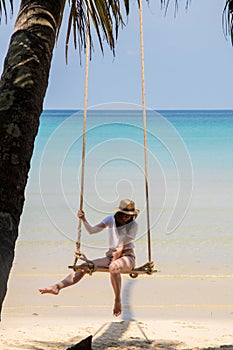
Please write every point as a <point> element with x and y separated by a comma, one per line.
<point>89,267</point>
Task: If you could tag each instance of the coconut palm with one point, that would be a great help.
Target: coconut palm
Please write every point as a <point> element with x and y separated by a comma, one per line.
<point>22,89</point>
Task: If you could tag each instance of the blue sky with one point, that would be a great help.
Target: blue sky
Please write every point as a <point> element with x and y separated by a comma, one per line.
<point>188,62</point>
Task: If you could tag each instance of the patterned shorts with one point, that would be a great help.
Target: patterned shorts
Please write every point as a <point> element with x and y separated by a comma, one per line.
<point>128,252</point>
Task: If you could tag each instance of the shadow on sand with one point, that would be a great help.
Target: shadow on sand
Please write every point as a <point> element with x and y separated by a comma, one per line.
<point>114,334</point>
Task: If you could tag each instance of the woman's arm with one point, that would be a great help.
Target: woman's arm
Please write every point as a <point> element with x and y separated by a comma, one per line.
<point>90,229</point>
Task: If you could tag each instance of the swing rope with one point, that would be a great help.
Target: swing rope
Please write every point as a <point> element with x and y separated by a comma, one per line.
<point>144,130</point>
<point>78,255</point>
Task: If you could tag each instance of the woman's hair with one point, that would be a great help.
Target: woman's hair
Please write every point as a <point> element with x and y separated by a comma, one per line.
<point>119,214</point>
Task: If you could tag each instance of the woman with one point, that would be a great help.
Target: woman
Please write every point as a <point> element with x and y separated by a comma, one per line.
<point>122,230</point>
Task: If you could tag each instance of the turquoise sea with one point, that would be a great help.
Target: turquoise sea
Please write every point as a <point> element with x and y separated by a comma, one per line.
<point>190,168</point>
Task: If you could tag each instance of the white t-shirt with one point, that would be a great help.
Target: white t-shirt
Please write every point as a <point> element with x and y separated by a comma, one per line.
<point>120,235</point>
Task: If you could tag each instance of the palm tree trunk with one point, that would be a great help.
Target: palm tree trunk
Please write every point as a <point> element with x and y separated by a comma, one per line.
<point>22,89</point>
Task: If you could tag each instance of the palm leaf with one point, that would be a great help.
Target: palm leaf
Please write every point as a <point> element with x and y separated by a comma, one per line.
<point>165,4</point>
<point>106,19</point>
<point>126,3</point>
<point>3,8</point>
<point>227,19</point>
<point>60,19</point>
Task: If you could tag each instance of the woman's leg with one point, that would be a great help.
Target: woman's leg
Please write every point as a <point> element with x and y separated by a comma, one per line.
<point>123,264</point>
<point>71,279</point>
<point>116,285</point>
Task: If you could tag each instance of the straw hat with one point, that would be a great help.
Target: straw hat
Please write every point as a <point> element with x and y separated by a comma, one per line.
<point>127,206</point>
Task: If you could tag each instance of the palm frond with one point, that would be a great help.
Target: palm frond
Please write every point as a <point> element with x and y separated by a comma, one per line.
<point>126,3</point>
<point>105,18</point>
<point>3,8</point>
<point>60,19</point>
<point>227,19</point>
<point>165,4</point>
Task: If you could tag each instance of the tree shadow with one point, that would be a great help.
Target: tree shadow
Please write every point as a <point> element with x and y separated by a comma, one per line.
<point>113,344</point>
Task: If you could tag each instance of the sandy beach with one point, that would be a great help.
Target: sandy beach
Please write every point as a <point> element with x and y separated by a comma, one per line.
<point>163,311</point>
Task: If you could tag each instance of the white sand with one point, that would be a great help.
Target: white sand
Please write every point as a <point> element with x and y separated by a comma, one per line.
<point>159,312</point>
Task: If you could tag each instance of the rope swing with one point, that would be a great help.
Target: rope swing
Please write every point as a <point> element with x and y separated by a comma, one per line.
<point>78,254</point>
<point>88,266</point>
<point>144,130</point>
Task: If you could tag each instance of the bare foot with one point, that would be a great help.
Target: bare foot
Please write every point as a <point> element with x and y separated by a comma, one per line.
<point>117,308</point>
<point>55,289</point>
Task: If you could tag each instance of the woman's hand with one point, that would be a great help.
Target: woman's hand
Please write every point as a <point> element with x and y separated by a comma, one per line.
<point>81,215</point>
<point>117,254</point>
<point>90,229</point>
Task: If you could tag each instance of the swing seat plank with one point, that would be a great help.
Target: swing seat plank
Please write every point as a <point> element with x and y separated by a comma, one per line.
<point>147,268</point>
